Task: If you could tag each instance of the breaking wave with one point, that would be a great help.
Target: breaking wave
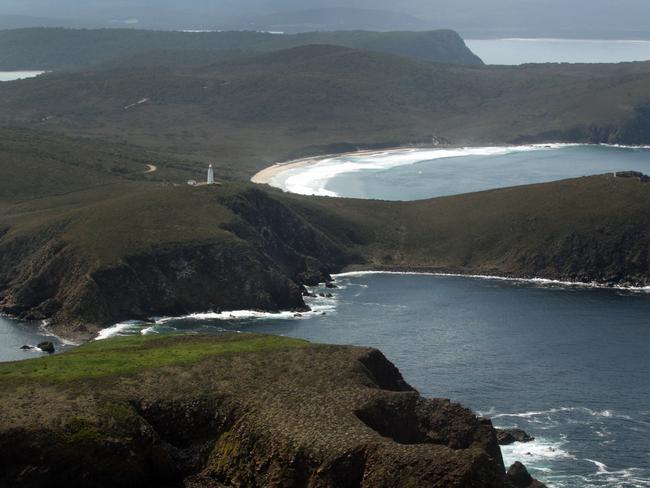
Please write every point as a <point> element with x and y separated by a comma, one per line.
<point>534,281</point>
<point>318,306</point>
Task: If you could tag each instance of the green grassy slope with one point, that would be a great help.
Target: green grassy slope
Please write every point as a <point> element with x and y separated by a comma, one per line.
<point>65,49</point>
<point>128,355</point>
<point>244,113</point>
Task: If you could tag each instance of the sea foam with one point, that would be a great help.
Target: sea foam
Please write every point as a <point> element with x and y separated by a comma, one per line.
<point>318,306</point>
<point>534,281</point>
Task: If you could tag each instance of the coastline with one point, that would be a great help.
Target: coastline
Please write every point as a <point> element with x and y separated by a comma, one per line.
<point>268,174</point>
<point>265,176</point>
<point>535,280</point>
<point>317,171</point>
<point>320,309</point>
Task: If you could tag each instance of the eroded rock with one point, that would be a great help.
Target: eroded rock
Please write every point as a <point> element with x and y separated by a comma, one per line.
<point>519,477</point>
<point>510,436</point>
<point>46,346</point>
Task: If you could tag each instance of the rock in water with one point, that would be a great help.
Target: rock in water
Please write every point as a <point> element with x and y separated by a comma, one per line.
<point>510,436</point>
<point>46,347</point>
<point>26,347</point>
<point>519,477</point>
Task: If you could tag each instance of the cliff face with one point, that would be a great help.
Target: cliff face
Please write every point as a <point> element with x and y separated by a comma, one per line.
<point>171,251</point>
<point>259,257</point>
<point>233,411</point>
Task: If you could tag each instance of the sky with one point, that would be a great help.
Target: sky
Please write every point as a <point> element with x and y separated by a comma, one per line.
<point>581,18</point>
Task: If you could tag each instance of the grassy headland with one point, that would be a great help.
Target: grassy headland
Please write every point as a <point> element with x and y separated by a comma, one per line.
<point>235,410</point>
<point>128,355</point>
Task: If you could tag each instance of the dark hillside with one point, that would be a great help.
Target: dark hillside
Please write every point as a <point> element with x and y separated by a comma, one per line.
<point>37,165</point>
<point>74,49</point>
<point>593,229</point>
<point>246,112</point>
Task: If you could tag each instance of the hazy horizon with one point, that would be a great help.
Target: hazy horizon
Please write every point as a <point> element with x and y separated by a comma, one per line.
<point>472,18</point>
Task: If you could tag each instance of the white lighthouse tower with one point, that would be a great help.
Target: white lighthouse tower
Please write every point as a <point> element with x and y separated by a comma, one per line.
<point>210,175</point>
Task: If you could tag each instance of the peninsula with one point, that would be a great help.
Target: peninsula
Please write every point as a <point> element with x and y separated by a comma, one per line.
<point>102,239</point>
<point>235,410</point>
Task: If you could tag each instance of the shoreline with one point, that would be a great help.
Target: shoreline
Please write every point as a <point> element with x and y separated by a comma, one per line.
<point>535,280</point>
<point>114,330</point>
<point>289,315</point>
<point>267,175</point>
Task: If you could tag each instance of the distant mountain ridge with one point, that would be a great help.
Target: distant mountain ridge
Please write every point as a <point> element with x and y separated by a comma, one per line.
<point>247,111</point>
<point>69,49</point>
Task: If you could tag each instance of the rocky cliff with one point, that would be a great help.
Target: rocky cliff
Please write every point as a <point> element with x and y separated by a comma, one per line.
<point>153,250</point>
<point>240,250</point>
<point>237,410</point>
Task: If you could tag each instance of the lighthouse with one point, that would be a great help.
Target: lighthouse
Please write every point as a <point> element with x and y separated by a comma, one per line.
<point>210,175</point>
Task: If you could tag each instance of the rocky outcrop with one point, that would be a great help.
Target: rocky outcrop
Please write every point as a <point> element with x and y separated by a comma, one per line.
<point>269,252</point>
<point>301,415</point>
<point>46,346</point>
<point>506,437</point>
<point>519,477</point>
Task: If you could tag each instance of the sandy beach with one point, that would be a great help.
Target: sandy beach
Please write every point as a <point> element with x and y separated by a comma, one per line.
<point>267,174</point>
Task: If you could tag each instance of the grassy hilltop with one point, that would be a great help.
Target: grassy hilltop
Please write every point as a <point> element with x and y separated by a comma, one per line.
<point>139,244</point>
<point>245,112</point>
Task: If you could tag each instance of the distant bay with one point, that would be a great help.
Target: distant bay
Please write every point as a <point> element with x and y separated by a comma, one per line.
<point>414,174</point>
<point>18,75</point>
<point>521,51</point>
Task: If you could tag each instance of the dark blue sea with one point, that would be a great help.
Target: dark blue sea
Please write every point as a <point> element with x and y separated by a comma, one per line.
<point>570,365</point>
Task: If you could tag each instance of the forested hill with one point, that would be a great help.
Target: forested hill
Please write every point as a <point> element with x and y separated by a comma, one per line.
<point>69,49</point>
<point>247,112</point>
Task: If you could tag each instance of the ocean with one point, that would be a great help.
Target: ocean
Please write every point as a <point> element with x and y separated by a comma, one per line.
<point>18,75</point>
<point>520,51</point>
<point>568,364</point>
